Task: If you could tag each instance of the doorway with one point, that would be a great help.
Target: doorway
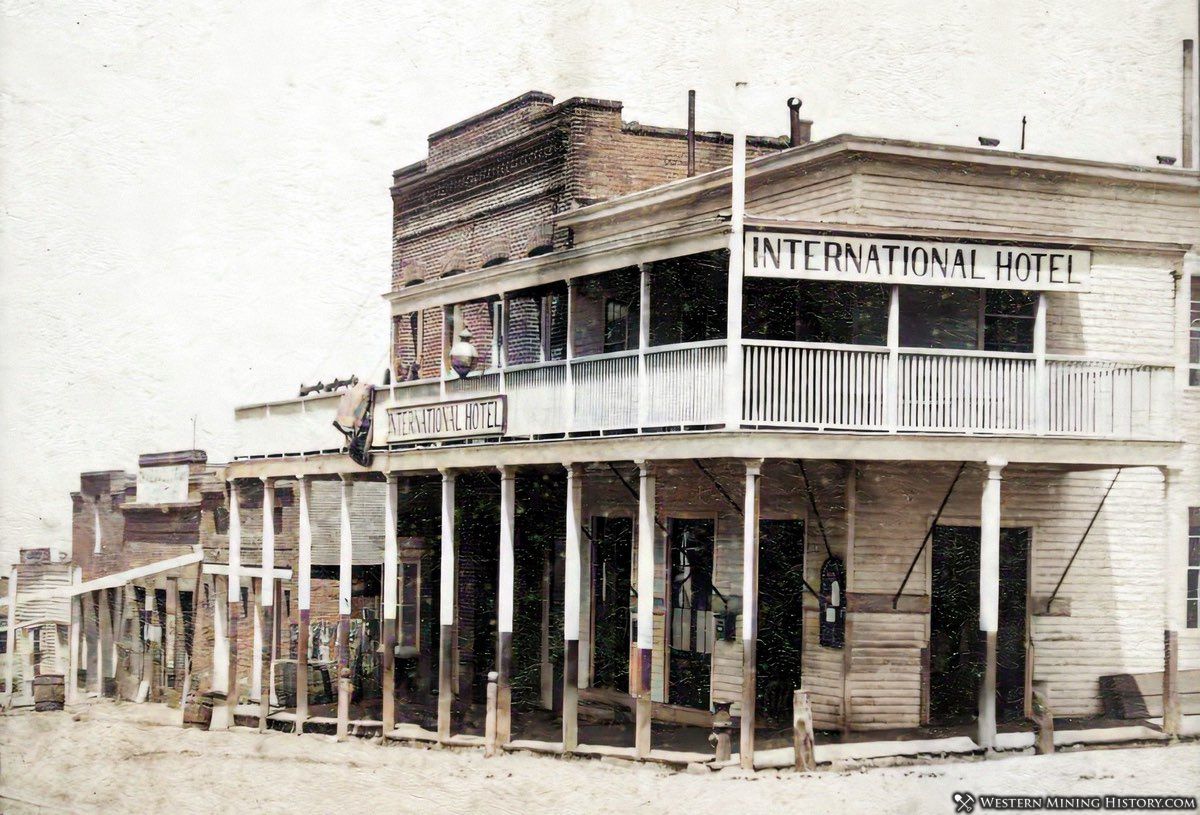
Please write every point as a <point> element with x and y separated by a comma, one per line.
<point>955,642</point>
<point>690,543</point>
<point>612,560</point>
<point>780,617</point>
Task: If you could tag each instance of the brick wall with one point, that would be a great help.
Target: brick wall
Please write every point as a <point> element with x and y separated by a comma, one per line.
<point>497,179</point>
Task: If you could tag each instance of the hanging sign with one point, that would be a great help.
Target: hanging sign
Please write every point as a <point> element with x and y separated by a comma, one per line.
<point>467,418</point>
<point>860,259</point>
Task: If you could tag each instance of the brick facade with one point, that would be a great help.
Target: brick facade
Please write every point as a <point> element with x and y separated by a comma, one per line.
<point>493,183</point>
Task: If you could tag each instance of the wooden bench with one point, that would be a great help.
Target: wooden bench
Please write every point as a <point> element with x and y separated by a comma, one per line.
<point>1139,696</point>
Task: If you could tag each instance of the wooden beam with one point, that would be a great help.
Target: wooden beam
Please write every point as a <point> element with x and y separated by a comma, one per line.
<point>571,588</point>
<point>303,601</point>
<point>507,577</point>
<point>645,606</point>
<point>989,598</point>
<point>446,611</point>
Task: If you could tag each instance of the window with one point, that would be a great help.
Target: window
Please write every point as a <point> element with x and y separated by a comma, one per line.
<point>616,326</point>
<point>408,633</point>
<point>1193,573</point>
<point>536,325</point>
<point>688,297</point>
<point>967,319</point>
<point>1194,335</point>
<point>816,311</point>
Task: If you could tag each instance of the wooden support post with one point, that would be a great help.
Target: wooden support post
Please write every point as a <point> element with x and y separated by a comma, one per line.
<point>802,732</point>
<point>95,662</point>
<point>220,671</point>
<point>10,642</point>
<point>489,722</point>
<point>75,642</point>
<point>303,601</point>
<point>145,618</point>
<point>645,606</point>
<point>446,641</point>
<point>571,585</point>
<point>1043,718</point>
<point>1041,389</point>
<point>892,394</point>
<point>266,604</point>
<point>104,658</point>
<point>989,598</point>
<point>345,580</point>
<point>508,503</point>
<point>258,640</point>
<point>390,568</point>
<point>170,637</point>
<point>1175,587</point>
<point>749,612</point>
<point>233,601</point>
<point>736,272</point>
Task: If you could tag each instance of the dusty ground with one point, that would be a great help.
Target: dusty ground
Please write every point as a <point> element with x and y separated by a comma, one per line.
<point>122,758</point>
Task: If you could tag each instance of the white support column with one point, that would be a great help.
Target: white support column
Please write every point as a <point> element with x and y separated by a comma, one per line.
<point>303,600</point>
<point>645,604</point>
<point>989,597</point>
<point>504,605</point>
<point>345,580</point>
<point>733,332</point>
<point>643,344</point>
<point>749,611</point>
<point>233,597</point>
<point>75,641</point>
<point>264,623</point>
<point>1175,567</point>
<point>1040,381</point>
<point>571,584</point>
<point>10,642</point>
<point>893,370</point>
<point>446,615</point>
<point>220,674</point>
<point>390,569</point>
<point>96,526</point>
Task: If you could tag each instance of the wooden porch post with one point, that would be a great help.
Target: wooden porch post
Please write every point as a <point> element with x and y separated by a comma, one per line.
<point>233,599</point>
<point>345,579</point>
<point>10,642</point>
<point>266,602</point>
<point>104,602</point>
<point>989,598</point>
<point>391,497</point>
<point>1175,588</point>
<point>892,396</point>
<point>303,601</point>
<point>749,611</point>
<point>733,329</point>
<point>508,502</point>
<point>571,584</point>
<point>1040,381</point>
<point>220,667</point>
<point>446,640</point>
<point>645,604</point>
<point>75,642</point>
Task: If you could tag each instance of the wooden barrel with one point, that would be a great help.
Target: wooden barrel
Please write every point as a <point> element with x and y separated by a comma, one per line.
<point>48,692</point>
<point>198,711</point>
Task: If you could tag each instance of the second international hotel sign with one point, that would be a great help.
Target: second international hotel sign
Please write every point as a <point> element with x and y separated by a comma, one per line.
<point>466,418</point>
<point>856,258</point>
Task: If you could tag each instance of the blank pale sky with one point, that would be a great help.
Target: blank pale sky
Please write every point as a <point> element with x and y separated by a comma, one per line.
<point>195,195</point>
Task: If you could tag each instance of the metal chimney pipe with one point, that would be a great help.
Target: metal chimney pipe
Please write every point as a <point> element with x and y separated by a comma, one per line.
<point>691,134</point>
<point>800,130</point>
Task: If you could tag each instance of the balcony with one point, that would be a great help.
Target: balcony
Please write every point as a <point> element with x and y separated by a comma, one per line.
<point>806,387</point>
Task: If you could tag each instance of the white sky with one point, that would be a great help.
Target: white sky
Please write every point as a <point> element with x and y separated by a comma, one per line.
<point>195,195</point>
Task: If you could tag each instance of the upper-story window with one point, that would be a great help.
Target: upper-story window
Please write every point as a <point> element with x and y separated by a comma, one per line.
<point>1194,335</point>
<point>967,319</point>
<point>605,310</point>
<point>536,325</point>
<point>816,311</point>
<point>688,297</point>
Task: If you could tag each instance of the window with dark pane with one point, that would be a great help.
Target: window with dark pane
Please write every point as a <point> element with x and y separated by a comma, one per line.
<point>688,297</point>
<point>1008,319</point>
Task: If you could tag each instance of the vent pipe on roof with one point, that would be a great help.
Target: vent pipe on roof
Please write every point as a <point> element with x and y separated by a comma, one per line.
<point>691,134</point>
<point>800,129</point>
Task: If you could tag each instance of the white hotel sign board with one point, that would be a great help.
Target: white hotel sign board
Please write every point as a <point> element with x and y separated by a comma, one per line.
<point>811,256</point>
<point>462,419</point>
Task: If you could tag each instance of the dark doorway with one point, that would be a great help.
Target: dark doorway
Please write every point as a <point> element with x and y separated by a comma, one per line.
<point>690,542</point>
<point>955,642</point>
<point>780,617</point>
<point>612,555</point>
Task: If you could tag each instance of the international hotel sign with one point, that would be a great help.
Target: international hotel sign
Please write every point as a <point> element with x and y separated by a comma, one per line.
<point>811,256</point>
<point>462,419</point>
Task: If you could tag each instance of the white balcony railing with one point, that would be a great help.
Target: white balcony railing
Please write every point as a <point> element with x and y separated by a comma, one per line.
<point>795,385</point>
